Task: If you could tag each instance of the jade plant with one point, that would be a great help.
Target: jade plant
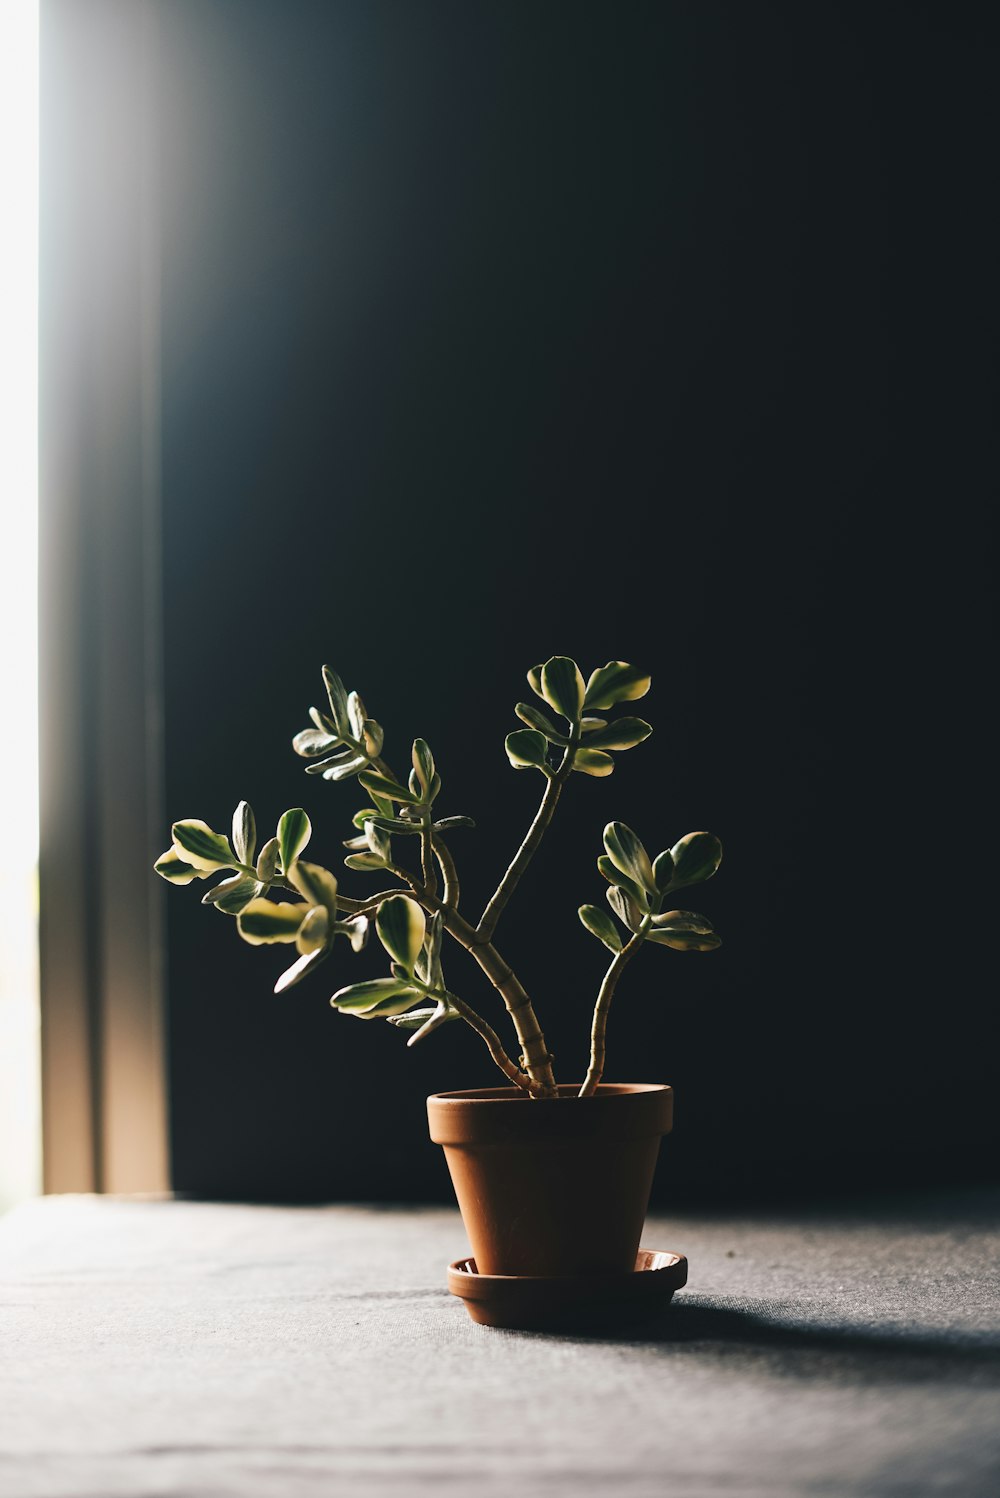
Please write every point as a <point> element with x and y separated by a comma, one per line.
<point>275,895</point>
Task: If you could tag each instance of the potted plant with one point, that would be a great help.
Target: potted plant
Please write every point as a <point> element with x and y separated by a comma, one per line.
<point>552,1179</point>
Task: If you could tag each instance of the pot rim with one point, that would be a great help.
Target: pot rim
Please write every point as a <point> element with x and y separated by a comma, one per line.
<point>619,1110</point>
<point>568,1092</point>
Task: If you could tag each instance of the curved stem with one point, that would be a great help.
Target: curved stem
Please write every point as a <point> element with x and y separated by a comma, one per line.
<point>490,1036</point>
<point>452,890</point>
<point>427,870</point>
<point>604,997</point>
<point>525,853</point>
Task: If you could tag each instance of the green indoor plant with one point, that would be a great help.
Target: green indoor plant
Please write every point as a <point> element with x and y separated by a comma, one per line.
<point>277,896</point>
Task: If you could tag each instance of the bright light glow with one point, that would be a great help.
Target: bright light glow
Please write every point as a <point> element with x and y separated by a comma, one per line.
<point>20,1125</point>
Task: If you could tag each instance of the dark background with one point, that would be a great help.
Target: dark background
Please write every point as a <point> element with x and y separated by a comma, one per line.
<point>659,332</point>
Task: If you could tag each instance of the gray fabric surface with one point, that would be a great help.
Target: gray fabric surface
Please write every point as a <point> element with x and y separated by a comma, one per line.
<point>172,1348</point>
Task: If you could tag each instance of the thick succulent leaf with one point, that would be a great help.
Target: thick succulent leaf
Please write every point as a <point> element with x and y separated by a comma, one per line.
<point>446,824</point>
<point>356,844</point>
<point>394,825</point>
<point>314,930</point>
<point>314,741</point>
<point>624,907</point>
<point>324,723</point>
<point>588,724</point>
<point>356,715</point>
<point>233,895</point>
<point>624,733</point>
<point>343,769</point>
<point>385,808</point>
<point>356,930</point>
<point>537,719</point>
<point>391,1007</point>
<point>663,870</point>
<point>684,920</point>
<point>696,858</point>
<point>535,680</point>
<point>614,875</point>
<point>428,968</point>
<point>423,764</point>
<point>593,762</point>
<point>195,843</point>
<point>372,737</point>
<point>294,832</point>
<point>300,968</point>
<point>615,682</point>
<point>364,815</point>
<point>562,686</point>
<point>365,862</point>
<point>600,924</point>
<point>416,1019</point>
<point>526,748</point>
<point>401,928</point>
<point>627,854</point>
<point>316,884</point>
<point>438,1017</point>
<point>244,832</point>
<point>337,694</point>
<point>414,785</point>
<point>381,785</point>
<point>357,998</point>
<point>264,921</point>
<point>379,841</point>
<point>435,789</point>
<point>267,863</point>
<point>685,941</point>
<point>172,867</point>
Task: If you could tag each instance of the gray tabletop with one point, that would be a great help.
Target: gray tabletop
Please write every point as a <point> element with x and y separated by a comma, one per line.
<point>175,1348</point>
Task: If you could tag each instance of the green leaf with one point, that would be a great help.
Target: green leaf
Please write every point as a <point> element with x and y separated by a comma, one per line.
<point>615,682</point>
<point>372,737</point>
<point>535,680</point>
<point>447,824</point>
<point>394,825</point>
<point>429,962</point>
<point>340,769</point>
<point>171,866</point>
<point>663,871</point>
<point>624,733</point>
<point>627,854</point>
<point>195,843</point>
<point>325,724</point>
<point>364,861</point>
<point>593,762</point>
<point>381,785</point>
<point>364,815</point>
<point>264,921</point>
<point>401,928</point>
<point>599,924</point>
<point>233,895</point>
<point>244,832</point>
<point>417,1018</point>
<point>267,863</point>
<point>300,968</point>
<point>356,931</point>
<point>378,841</point>
<point>696,858</point>
<point>526,748</point>
<point>337,694</point>
<point>423,765</point>
<point>312,934</point>
<point>537,719</point>
<point>316,884</point>
<point>314,741</point>
<point>685,941</point>
<point>588,724</point>
<point>356,715</point>
<point>358,998</point>
<point>614,875</point>
<point>624,907</point>
<point>562,686</point>
<point>684,920</point>
<point>294,831</point>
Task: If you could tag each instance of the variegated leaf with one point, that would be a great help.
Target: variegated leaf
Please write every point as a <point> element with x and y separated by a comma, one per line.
<point>527,748</point>
<point>696,858</point>
<point>358,997</point>
<point>684,920</point>
<point>372,738</point>
<point>447,824</point>
<point>593,762</point>
<point>663,870</point>
<point>314,930</point>
<point>627,854</point>
<point>356,930</point>
<point>685,941</point>
<point>401,928</point>
<point>195,843</point>
<point>267,863</point>
<point>356,715</point>
<point>366,862</point>
<point>233,895</point>
<point>395,825</point>
<point>624,733</point>
<point>343,769</point>
<point>562,686</point>
<point>172,867</point>
<point>535,718</point>
<point>423,765</point>
<point>356,844</point>
<point>614,875</point>
<point>535,680</point>
<point>337,694</point>
<point>381,785</point>
<point>300,968</point>
<point>314,741</point>
<point>316,884</point>
<point>325,723</point>
<point>244,832</point>
<point>364,815</point>
<point>624,907</point>
<point>615,682</point>
<point>294,832</point>
<point>379,841</point>
<point>264,921</point>
<point>600,924</point>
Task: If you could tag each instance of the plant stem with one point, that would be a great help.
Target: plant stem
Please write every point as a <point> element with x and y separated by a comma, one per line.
<point>525,853</point>
<point>452,891</point>
<point>489,1035</point>
<point>427,870</point>
<point>604,997</point>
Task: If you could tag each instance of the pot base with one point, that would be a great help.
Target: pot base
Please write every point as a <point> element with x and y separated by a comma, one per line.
<point>529,1302</point>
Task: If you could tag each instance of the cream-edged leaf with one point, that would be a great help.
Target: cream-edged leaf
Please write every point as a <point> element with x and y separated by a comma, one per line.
<point>300,968</point>
<point>423,766</point>
<point>615,682</point>
<point>312,742</point>
<point>696,858</point>
<point>233,895</point>
<point>358,998</point>
<point>364,862</point>
<point>316,884</point>
<point>526,748</point>
<point>627,854</point>
<point>684,941</point>
<point>663,870</point>
<point>623,733</point>
<point>614,875</point>
<point>337,696</point>
<point>535,718</point>
<point>314,930</point>
<point>294,832</point>
<point>175,870</point>
<point>265,921</point>
<point>624,907</point>
<point>593,762</point>
<point>535,680</point>
<point>401,927</point>
<point>684,920</point>
<point>381,785</point>
<point>244,832</point>
<point>600,924</point>
<point>195,843</point>
<point>563,687</point>
<point>267,863</point>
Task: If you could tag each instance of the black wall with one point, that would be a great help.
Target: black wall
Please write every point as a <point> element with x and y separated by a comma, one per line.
<point>658,332</point>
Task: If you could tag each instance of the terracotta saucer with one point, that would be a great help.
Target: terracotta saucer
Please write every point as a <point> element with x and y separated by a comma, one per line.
<point>532,1302</point>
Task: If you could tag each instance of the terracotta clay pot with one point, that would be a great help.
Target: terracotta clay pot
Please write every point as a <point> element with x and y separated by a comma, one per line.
<point>553,1186</point>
